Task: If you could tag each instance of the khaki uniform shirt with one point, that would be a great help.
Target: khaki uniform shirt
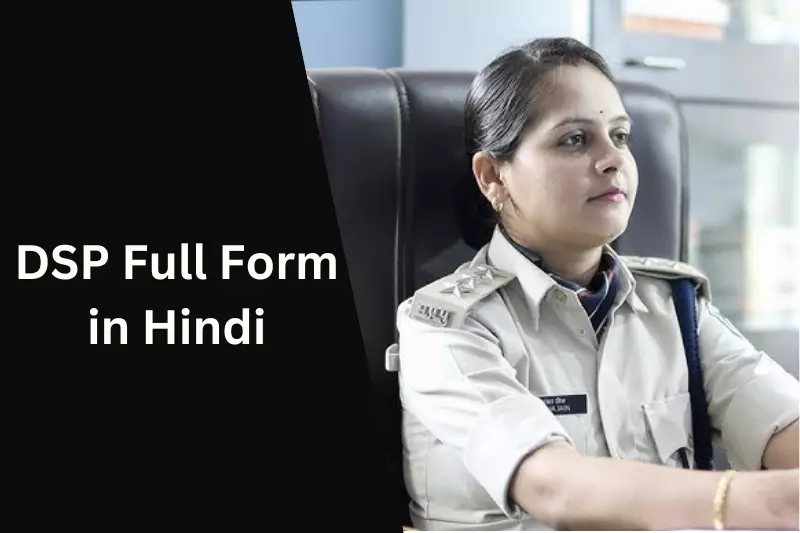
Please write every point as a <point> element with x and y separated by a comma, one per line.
<point>495,362</point>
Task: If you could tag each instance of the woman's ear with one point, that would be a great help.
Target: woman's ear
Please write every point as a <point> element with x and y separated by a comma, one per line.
<point>487,173</point>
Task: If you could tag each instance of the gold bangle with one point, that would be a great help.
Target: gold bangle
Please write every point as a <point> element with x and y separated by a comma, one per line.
<point>719,498</point>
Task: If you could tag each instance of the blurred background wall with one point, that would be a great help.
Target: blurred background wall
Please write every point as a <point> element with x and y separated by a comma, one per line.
<point>336,33</point>
<point>732,65</point>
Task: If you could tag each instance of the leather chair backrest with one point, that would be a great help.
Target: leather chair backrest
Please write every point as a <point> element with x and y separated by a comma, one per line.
<point>408,207</point>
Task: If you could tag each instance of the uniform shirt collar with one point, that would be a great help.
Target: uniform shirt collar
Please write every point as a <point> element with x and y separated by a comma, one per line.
<point>536,284</point>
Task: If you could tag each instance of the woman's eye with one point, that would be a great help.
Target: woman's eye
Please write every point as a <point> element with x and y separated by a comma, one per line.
<point>574,140</point>
<point>622,137</point>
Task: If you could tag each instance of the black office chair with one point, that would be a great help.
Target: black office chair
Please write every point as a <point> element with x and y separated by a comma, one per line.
<point>407,203</point>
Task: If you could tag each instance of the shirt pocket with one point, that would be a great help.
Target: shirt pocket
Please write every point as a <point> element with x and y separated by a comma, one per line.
<point>669,427</point>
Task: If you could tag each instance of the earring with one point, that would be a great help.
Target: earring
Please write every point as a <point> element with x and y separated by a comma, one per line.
<point>497,205</point>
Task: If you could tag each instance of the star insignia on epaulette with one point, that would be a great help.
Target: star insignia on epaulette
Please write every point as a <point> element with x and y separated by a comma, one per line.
<point>468,285</point>
<point>463,285</point>
<point>484,272</point>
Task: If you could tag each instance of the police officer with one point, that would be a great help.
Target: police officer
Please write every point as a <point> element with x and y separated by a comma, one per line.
<point>544,384</point>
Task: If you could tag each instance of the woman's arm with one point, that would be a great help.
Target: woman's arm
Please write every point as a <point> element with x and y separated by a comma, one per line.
<point>783,449</point>
<point>568,491</point>
<point>752,400</point>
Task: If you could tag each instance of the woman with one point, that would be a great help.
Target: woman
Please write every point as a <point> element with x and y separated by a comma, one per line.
<point>544,385</point>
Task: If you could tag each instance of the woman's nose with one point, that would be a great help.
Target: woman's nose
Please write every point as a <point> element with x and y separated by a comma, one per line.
<point>609,161</point>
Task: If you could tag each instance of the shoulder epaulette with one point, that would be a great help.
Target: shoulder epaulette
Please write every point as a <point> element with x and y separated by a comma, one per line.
<point>446,301</point>
<point>659,267</point>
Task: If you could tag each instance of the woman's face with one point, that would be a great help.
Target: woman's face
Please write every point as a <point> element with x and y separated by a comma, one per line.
<point>573,180</point>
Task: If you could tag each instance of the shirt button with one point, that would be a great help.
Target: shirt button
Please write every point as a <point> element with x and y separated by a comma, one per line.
<point>621,454</point>
<point>581,332</point>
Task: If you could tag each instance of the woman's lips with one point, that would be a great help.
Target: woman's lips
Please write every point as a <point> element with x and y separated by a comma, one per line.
<point>613,196</point>
<point>610,197</point>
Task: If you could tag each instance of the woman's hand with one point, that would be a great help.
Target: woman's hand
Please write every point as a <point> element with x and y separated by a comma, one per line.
<point>763,500</point>
<point>785,497</point>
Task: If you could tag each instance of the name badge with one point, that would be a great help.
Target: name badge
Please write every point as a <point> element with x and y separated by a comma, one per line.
<point>569,404</point>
